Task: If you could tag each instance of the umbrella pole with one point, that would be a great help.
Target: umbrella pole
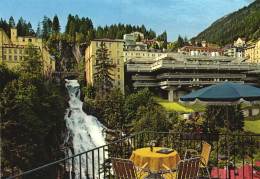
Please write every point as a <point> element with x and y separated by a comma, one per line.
<point>228,150</point>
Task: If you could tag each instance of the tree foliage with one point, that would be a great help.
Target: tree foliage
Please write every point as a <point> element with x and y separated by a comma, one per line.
<point>31,116</point>
<point>218,114</point>
<point>243,23</point>
<point>56,24</point>
<point>113,109</point>
<point>24,28</point>
<point>151,117</point>
<point>103,80</point>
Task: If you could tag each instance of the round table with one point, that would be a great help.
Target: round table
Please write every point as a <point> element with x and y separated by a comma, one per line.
<point>155,160</point>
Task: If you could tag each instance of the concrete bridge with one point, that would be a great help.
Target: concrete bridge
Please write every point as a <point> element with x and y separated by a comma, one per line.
<point>58,77</point>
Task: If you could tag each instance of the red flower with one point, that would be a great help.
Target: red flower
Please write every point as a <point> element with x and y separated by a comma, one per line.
<point>198,130</point>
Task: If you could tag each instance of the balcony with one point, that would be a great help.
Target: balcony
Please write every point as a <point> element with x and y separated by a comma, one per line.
<point>96,163</point>
<point>171,64</point>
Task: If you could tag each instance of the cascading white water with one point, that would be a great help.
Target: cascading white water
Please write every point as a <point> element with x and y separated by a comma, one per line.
<point>85,131</point>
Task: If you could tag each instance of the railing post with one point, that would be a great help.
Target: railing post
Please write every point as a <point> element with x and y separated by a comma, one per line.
<point>93,164</point>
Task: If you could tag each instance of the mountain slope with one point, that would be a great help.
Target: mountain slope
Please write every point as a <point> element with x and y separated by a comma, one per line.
<point>243,23</point>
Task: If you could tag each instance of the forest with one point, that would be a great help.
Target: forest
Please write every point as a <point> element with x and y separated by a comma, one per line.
<point>244,23</point>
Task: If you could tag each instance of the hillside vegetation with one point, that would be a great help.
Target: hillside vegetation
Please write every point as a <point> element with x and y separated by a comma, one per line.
<point>243,23</point>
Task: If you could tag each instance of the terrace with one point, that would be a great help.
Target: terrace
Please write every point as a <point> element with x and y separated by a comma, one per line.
<point>96,163</point>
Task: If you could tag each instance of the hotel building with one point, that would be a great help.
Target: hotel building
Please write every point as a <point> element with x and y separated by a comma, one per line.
<point>115,50</point>
<point>252,52</point>
<point>12,51</point>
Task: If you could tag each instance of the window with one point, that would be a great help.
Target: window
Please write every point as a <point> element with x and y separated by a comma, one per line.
<point>110,53</point>
<point>118,76</point>
<point>96,61</point>
<point>126,54</point>
<point>21,58</point>
<point>29,40</point>
<point>117,45</point>
<point>96,44</point>
<point>20,51</point>
<point>148,55</point>
<point>15,51</point>
<point>118,61</point>
<point>117,53</point>
<point>118,69</point>
<point>4,50</point>
<point>137,54</point>
<point>118,82</point>
<point>23,39</point>
<point>105,44</point>
<point>4,57</point>
<point>132,54</point>
<point>15,57</point>
<point>10,57</point>
<point>109,45</point>
<point>112,61</point>
<point>10,50</point>
<point>143,54</point>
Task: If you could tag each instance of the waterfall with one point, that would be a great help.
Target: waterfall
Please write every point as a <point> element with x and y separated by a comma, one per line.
<point>84,131</point>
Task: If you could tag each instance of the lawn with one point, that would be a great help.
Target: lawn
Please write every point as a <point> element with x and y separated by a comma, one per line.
<point>179,107</point>
<point>176,107</point>
<point>252,126</point>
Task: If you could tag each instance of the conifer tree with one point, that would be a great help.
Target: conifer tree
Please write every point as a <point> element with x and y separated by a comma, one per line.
<point>56,24</point>
<point>103,80</point>
<point>11,22</point>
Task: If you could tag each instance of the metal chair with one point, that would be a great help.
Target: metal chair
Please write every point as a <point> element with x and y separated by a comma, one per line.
<point>186,169</point>
<point>206,149</point>
<point>125,169</point>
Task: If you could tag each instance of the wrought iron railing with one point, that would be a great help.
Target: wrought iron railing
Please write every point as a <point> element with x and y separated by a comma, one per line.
<point>96,163</point>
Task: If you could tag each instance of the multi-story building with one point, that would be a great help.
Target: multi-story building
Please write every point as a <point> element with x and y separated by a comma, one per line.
<point>137,56</point>
<point>252,52</point>
<point>193,50</point>
<point>206,44</point>
<point>12,51</point>
<point>175,74</point>
<point>131,44</point>
<point>234,52</point>
<point>240,42</point>
<point>115,50</point>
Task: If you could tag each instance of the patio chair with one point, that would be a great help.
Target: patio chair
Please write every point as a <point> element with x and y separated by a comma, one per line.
<point>186,169</point>
<point>206,149</point>
<point>125,169</point>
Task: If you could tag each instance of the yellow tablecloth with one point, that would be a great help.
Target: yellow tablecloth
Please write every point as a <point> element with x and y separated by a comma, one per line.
<point>155,160</point>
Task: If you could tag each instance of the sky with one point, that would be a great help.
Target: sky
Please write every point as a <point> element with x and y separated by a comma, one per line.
<point>178,17</point>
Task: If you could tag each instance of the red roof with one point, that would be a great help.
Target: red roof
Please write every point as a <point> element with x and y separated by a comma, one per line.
<point>205,48</point>
<point>241,173</point>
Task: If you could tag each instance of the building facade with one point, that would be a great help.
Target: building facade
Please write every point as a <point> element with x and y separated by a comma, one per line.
<point>234,52</point>
<point>137,56</point>
<point>240,42</point>
<point>252,52</point>
<point>12,50</point>
<point>194,50</point>
<point>115,50</point>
